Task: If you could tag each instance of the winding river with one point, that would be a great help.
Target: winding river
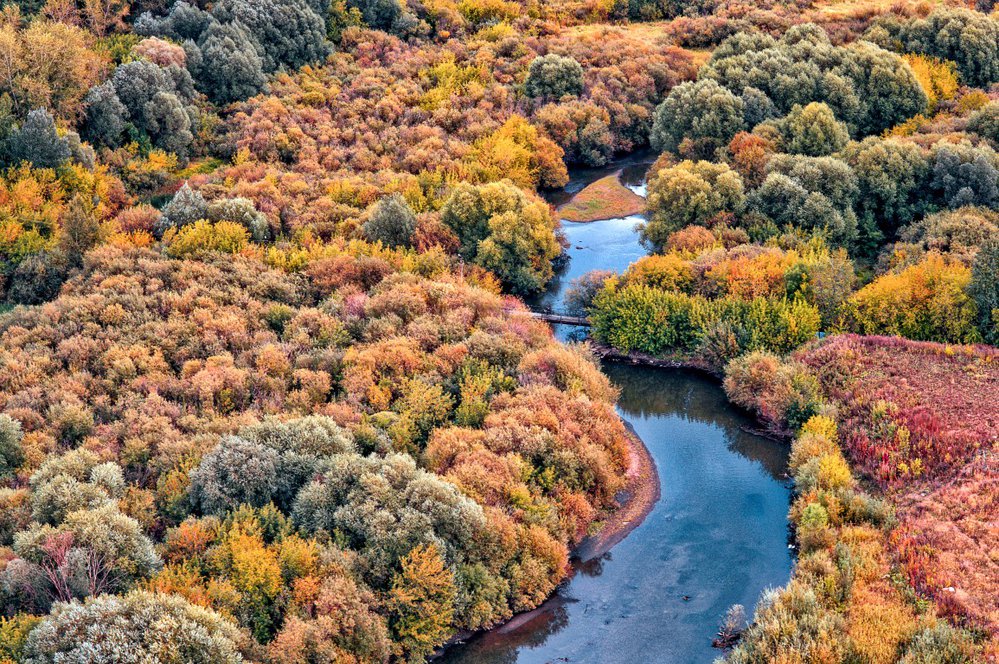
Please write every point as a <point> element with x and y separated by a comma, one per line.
<point>717,536</point>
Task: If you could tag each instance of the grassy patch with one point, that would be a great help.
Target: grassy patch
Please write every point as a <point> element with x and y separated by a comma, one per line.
<point>606,198</point>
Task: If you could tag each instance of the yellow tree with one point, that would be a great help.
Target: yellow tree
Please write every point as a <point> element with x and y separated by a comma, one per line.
<point>422,602</point>
<point>104,16</point>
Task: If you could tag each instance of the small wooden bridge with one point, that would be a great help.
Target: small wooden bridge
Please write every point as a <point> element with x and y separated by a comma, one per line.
<point>560,318</point>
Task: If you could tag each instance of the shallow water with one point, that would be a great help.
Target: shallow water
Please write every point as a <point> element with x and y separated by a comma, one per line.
<point>610,244</point>
<point>718,535</point>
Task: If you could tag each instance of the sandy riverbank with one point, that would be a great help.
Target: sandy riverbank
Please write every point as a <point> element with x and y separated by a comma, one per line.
<point>637,499</point>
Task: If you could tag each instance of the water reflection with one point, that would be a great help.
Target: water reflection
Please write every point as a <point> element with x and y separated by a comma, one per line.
<point>610,244</point>
<point>716,538</point>
<point>693,397</point>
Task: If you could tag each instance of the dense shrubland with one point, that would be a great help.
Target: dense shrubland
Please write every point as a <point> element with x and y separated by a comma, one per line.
<point>265,392</point>
<point>909,422</point>
<point>239,419</point>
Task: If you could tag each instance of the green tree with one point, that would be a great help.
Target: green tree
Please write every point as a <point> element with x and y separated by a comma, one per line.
<point>554,76</point>
<point>968,38</point>
<point>892,177</point>
<point>868,88</point>
<point>141,626</point>
<point>813,130</point>
<point>186,207</point>
<point>813,193</point>
<point>290,33</point>
<point>984,289</point>
<point>689,193</point>
<point>241,211</point>
<point>703,112</point>
<point>106,116</point>
<point>391,221</point>
<point>985,122</point>
<point>11,454</point>
<point>37,142</point>
<point>505,230</point>
<point>230,68</point>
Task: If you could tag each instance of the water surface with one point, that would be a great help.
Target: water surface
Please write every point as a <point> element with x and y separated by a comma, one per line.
<point>610,244</point>
<point>717,537</point>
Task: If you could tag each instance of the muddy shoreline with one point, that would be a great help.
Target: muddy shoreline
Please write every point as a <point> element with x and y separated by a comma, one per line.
<point>638,359</point>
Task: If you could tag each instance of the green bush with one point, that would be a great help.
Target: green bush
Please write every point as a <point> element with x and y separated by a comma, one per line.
<point>640,318</point>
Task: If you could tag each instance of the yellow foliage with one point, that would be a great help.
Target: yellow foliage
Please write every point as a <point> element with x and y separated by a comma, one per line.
<point>446,79</point>
<point>663,271</point>
<point>972,101</point>
<point>821,425</point>
<point>254,569</point>
<point>140,239</point>
<point>516,151</point>
<point>810,446</point>
<point>938,78</point>
<point>834,473</point>
<point>926,302</point>
<point>297,557</point>
<point>226,237</point>
<point>480,11</point>
<point>16,243</point>
<point>879,622</point>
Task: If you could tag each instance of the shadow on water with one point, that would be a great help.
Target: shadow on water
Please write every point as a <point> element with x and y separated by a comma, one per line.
<point>717,537</point>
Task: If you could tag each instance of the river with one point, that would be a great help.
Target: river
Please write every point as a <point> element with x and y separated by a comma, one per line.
<point>717,536</point>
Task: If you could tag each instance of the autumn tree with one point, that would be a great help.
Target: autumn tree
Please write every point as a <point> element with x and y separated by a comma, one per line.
<point>104,16</point>
<point>81,231</point>
<point>928,301</point>
<point>581,129</point>
<point>421,602</point>
<point>49,64</point>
